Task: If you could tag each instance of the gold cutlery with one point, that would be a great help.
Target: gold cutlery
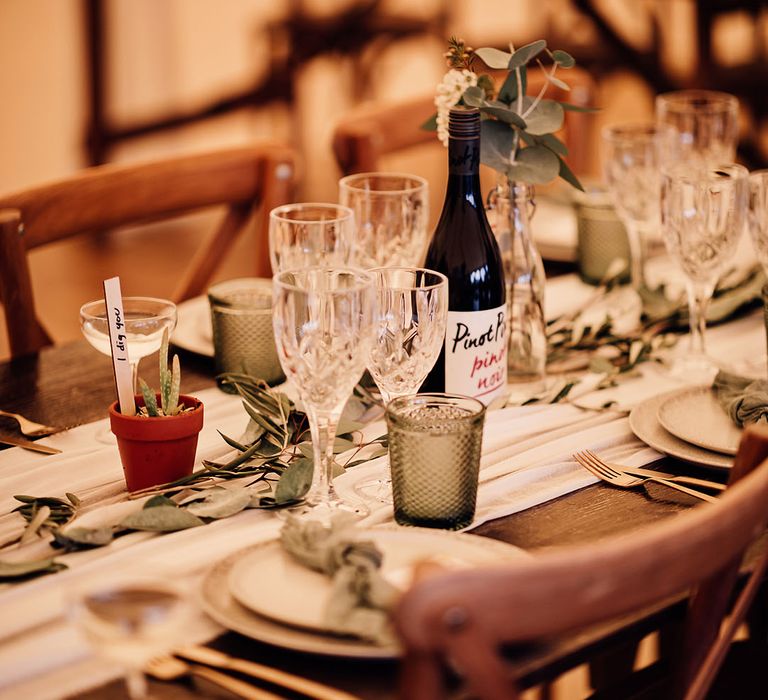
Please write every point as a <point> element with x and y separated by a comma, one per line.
<point>168,668</point>
<point>680,478</point>
<point>312,689</point>
<point>29,427</point>
<point>28,445</point>
<point>610,474</point>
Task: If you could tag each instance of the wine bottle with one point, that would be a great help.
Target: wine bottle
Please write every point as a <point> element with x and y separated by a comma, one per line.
<point>473,359</point>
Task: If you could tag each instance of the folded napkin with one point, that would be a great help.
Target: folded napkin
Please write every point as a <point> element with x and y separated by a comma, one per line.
<point>360,598</point>
<point>744,399</point>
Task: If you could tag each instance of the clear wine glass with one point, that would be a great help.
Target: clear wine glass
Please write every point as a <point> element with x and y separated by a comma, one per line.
<point>411,314</point>
<point>310,235</point>
<point>631,167</point>
<point>392,212</point>
<point>131,622</point>
<point>700,126</point>
<point>324,328</point>
<point>758,224</point>
<point>702,215</point>
<point>145,320</point>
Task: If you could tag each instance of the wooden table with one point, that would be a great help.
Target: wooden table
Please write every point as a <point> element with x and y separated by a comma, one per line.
<point>72,384</point>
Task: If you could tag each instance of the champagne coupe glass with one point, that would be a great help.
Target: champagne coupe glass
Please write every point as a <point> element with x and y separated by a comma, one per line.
<point>411,314</point>
<point>631,167</point>
<point>310,235</point>
<point>145,320</point>
<point>391,210</point>
<point>130,622</point>
<point>703,212</point>
<point>324,328</point>
<point>701,126</point>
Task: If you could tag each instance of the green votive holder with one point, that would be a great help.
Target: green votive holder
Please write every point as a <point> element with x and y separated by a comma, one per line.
<point>243,338</point>
<point>434,456</point>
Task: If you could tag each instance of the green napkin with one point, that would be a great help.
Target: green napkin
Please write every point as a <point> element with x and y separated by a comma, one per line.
<point>360,598</point>
<point>744,400</point>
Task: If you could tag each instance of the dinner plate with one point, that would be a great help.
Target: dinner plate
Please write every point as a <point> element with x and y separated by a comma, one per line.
<point>299,596</point>
<point>217,601</point>
<point>694,414</point>
<point>193,330</point>
<point>645,425</point>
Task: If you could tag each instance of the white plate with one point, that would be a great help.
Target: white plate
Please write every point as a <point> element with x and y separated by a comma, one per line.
<point>645,425</point>
<point>694,415</point>
<point>298,596</point>
<point>193,330</point>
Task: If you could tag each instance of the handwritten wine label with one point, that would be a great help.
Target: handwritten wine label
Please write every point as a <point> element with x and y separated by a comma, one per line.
<point>476,353</point>
<point>118,343</point>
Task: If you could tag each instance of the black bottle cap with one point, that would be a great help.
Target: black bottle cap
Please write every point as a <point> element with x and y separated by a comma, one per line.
<point>464,122</point>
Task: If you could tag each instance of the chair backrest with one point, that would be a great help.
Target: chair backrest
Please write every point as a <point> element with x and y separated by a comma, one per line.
<point>366,134</point>
<point>244,180</point>
<point>466,616</point>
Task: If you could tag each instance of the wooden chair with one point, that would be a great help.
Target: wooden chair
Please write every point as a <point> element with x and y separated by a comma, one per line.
<point>243,179</point>
<point>463,618</point>
<point>365,135</point>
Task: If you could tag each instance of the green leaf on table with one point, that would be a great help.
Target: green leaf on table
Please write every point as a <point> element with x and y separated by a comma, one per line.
<point>219,502</point>
<point>563,59</point>
<point>342,445</point>
<point>546,117</point>
<point>15,570</point>
<point>347,426</point>
<point>161,519</point>
<point>534,164</point>
<point>159,500</point>
<point>494,58</point>
<point>83,537</point>
<point>295,480</point>
<point>525,53</point>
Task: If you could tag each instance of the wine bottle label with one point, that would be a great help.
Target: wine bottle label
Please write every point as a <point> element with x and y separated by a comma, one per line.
<point>476,353</point>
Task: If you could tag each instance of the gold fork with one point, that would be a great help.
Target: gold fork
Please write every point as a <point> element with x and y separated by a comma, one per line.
<point>169,668</point>
<point>29,427</point>
<point>611,474</point>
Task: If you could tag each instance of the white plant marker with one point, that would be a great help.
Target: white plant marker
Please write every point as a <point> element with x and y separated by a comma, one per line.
<point>119,346</point>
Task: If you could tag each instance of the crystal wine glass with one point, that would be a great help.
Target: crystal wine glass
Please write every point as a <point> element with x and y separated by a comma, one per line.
<point>700,126</point>
<point>758,223</point>
<point>391,211</point>
<point>702,216</point>
<point>130,622</point>
<point>631,166</point>
<point>145,320</point>
<point>411,314</point>
<point>324,328</point>
<point>309,235</point>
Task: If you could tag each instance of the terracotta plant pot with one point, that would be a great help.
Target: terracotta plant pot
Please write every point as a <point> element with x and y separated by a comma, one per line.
<point>157,450</point>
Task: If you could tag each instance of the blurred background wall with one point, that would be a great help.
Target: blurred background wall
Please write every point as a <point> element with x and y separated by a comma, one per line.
<point>90,81</point>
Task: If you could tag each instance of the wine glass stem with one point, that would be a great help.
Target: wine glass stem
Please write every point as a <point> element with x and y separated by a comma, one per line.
<point>136,683</point>
<point>322,426</point>
<point>636,239</point>
<point>699,295</point>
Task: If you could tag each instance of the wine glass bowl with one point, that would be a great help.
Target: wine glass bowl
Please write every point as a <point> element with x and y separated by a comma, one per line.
<point>324,327</point>
<point>145,320</point>
<point>702,214</point>
<point>391,211</point>
<point>311,234</point>
<point>130,622</point>
<point>758,215</point>
<point>701,125</point>
<point>631,166</point>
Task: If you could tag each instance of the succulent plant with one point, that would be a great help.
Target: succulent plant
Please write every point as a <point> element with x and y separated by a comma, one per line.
<point>170,381</point>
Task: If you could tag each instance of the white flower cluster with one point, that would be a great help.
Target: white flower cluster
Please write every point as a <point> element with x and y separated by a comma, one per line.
<point>449,92</point>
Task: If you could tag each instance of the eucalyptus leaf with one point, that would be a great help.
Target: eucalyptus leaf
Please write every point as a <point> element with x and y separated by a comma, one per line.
<point>341,445</point>
<point>568,107</point>
<point>559,83</point>
<point>567,174</point>
<point>524,54</point>
<point>294,481</point>
<point>504,114</point>
<point>347,426</point>
<point>13,571</point>
<point>161,519</point>
<point>159,500</point>
<point>220,503</point>
<point>563,59</point>
<point>545,118</point>
<point>306,449</point>
<point>84,537</point>
<point>430,124</point>
<point>509,91</point>
<point>534,164</point>
<point>496,143</point>
<point>494,58</point>
<point>474,96</point>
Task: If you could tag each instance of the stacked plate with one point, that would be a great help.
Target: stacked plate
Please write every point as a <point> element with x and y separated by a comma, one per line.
<point>263,593</point>
<point>688,424</point>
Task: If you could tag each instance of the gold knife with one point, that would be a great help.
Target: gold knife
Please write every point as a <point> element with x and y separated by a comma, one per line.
<point>28,445</point>
<point>690,480</point>
<point>312,689</point>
